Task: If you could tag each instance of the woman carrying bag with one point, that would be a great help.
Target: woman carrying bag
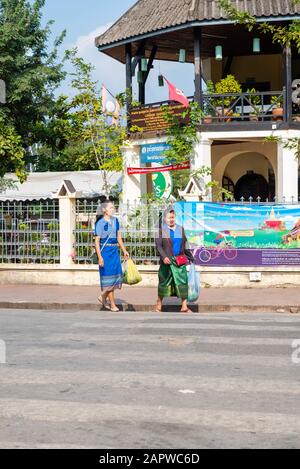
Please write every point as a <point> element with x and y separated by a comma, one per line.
<point>107,240</point>
<point>172,245</point>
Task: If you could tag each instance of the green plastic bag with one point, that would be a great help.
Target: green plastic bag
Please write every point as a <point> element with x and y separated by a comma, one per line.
<point>131,275</point>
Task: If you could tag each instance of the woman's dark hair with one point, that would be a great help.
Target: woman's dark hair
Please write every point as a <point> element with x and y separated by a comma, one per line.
<point>168,211</point>
<point>163,216</point>
<point>103,205</point>
<point>98,217</point>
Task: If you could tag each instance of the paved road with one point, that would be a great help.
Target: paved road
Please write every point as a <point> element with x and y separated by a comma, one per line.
<point>84,379</point>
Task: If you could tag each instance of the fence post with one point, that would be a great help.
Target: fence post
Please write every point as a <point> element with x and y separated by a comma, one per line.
<point>202,158</point>
<point>66,196</point>
<point>134,186</point>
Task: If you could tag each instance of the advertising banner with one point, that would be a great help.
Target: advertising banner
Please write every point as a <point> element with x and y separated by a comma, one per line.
<point>242,234</point>
<point>162,185</point>
<point>159,169</point>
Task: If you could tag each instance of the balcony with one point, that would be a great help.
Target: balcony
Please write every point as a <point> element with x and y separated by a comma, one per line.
<point>224,112</point>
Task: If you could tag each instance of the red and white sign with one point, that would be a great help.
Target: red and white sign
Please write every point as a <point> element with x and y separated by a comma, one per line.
<point>160,169</point>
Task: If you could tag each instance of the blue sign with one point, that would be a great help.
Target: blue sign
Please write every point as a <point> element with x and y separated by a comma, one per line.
<point>154,152</point>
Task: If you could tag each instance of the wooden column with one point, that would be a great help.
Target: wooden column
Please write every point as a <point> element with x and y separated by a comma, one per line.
<point>287,81</point>
<point>141,87</point>
<point>128,56</point>
<point>198,65</point>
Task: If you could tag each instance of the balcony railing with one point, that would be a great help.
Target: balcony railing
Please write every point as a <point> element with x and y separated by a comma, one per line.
<point>251,110</point>
<point>244,107</point>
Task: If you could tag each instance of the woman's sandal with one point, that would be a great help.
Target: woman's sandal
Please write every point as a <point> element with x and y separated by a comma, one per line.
<point>114,310</point>
<point>103,305</point>
<point>188,310</point>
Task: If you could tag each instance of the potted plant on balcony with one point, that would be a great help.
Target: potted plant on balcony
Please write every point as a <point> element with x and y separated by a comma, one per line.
<point>226,85</point>
<point>277,110</point>
<point>255,103</point>
<point>208,105</point>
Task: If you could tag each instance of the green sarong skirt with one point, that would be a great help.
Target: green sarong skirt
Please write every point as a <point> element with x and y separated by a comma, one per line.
<point>173,281</point>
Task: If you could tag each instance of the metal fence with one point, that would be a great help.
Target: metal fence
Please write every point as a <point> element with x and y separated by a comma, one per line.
<point>138,228</point>
<point>29,232</point>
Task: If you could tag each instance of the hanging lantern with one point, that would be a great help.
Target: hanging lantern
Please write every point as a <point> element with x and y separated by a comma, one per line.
<point>182,55</point>
<point>160,80</point>
<point>256,45</point>
<point>139,76</point>
<point>219,53</point>
<point>144,65</point>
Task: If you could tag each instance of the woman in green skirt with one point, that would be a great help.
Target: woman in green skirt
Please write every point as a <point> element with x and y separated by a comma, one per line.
<point>172,245</point>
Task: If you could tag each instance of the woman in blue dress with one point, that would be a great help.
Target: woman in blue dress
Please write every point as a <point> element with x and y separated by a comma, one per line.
<point>107,240</point>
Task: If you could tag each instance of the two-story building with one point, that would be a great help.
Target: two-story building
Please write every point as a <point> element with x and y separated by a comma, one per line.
<point>233,131</point>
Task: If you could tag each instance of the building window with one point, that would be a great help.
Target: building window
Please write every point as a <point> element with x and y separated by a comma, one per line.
<point>228,184</point>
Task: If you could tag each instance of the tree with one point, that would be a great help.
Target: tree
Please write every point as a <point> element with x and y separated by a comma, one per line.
<point>78,134</point>
<point>11,155</point>
<point>28,67</point>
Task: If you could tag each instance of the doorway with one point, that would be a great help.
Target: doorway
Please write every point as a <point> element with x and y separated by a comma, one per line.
<point>252,185</point>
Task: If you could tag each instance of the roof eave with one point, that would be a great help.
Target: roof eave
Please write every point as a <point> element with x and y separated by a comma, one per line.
<point>192,24</point>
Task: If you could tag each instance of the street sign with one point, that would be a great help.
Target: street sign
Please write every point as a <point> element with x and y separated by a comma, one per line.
<point>153,152</point>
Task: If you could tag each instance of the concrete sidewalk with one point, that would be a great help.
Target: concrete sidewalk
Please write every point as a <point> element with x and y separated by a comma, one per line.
<point>143,299</point>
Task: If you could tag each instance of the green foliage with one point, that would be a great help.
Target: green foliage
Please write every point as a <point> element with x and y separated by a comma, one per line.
<point>28,67</point>
<point>183,134</point>
<point>79,137</point>
<point>6,183</point>
<point>227,85</point>
<point>277,101</point>
<point>284,35</point>
<point>11,152</point>
<point>292,143</point>
<point>255,101</point>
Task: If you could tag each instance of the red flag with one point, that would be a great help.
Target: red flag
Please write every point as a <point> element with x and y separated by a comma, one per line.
<point>175,94</point>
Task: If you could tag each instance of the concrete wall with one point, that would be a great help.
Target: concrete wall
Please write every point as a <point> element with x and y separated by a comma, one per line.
<point>264,68</point>
<point>218,277</point>
<point>240,164</point>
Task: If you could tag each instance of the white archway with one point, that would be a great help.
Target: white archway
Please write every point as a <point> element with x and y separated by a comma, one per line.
<point>234,160</point>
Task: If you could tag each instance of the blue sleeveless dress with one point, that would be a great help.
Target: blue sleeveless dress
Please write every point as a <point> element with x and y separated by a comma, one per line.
<point>111,275</point>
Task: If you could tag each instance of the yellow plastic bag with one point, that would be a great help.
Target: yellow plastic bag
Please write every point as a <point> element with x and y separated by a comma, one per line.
<point>131,275</point>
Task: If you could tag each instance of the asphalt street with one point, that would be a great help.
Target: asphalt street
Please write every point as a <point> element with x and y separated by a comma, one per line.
<point>142,380</point>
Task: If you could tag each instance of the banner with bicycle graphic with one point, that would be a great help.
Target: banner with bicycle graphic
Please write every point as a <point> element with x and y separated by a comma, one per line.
<point>230,234</point>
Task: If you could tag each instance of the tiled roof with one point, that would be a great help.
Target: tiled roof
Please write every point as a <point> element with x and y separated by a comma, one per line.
<point>148,16</point>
